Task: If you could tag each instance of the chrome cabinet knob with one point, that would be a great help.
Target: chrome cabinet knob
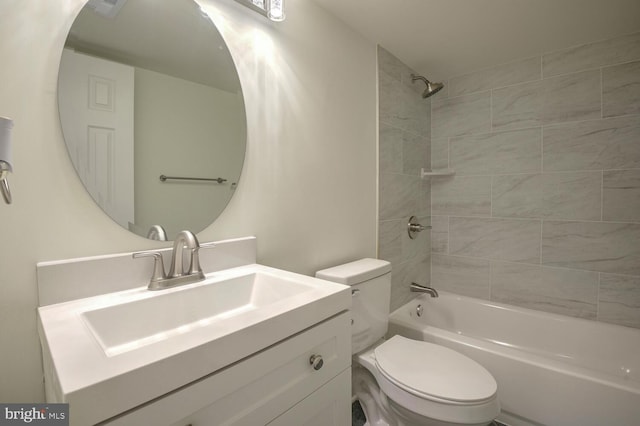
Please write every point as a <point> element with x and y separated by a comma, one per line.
<point>316,362</point>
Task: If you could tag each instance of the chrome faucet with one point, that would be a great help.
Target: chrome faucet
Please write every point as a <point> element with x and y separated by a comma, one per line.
<point>157,232</point>
<point>184,239</point>
<point>419,288</point>
<point>177,273</point>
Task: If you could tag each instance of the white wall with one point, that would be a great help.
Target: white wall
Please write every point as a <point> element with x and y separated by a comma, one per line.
<point>184,128</point>
<point>308,190</point>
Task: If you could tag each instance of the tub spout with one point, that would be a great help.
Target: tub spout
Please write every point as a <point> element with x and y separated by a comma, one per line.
<point>418,288</point>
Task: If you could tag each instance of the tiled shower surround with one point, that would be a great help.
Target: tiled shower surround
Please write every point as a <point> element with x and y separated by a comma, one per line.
<point>404,145</point>
<point>544,209</point>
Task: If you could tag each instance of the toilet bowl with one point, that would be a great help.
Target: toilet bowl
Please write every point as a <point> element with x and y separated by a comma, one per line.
<point>405,382</point>
<point>426,381</point>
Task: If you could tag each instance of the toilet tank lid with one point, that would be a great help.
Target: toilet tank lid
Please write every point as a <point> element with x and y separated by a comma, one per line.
<point>355,272</point>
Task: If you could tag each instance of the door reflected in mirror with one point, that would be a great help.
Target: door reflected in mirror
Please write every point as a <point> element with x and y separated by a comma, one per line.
<point>150,89</point>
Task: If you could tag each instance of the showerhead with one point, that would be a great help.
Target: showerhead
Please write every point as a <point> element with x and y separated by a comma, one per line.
<point>432,88</point>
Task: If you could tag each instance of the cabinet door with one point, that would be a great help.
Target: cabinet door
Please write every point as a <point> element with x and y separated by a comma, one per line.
<point>328,406</point>
<point>258,389</point>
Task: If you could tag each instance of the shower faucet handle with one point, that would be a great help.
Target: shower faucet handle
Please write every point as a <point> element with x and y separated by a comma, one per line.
<point>413,227</point>
<point>416,227</point>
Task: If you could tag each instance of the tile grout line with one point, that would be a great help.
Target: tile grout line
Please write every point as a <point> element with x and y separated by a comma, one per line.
<point>542,149</point>
<point>530,219</point>
<point>598,297</point>
<point>448,152</point>
<point>491,197</point>
<point>491,110</point>
<point>492,127</point>
<point>542,173</point>
<point>448,251</point>
<point>548,172</point>
<point>535,265</point>
<point>601,92</point>
<point>591,68</point>
<point>542,77</point>
<point>490,280</point>
<point>541,237</point>
<point>602,198</point>
<point>430,187</point>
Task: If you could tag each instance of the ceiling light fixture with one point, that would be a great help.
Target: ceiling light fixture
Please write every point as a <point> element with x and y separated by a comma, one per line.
<point>272,9</point>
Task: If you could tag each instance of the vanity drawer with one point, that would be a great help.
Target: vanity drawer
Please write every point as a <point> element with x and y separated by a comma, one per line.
<point>258,389</point>
<point>328,406</point>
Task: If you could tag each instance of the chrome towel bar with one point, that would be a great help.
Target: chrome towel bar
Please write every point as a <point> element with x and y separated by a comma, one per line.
<point>163,178</point>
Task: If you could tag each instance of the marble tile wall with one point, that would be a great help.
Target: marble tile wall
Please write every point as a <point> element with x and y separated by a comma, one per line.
<point>544,209</point>
<point>404,148</point>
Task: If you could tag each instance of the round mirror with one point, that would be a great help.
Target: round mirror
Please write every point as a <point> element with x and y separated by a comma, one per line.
<point>152,113</point>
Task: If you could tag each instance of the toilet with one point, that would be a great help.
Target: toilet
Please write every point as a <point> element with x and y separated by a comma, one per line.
<point>405,382</point>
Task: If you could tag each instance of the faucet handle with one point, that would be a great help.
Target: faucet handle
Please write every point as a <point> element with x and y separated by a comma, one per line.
<point>158,265</point>
<point>195,259</point>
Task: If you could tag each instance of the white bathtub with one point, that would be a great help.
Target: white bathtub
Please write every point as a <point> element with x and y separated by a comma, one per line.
<point>551,369</point>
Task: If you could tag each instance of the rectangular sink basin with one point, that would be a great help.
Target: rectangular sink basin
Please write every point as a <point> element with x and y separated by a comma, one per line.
<point>131,325</point>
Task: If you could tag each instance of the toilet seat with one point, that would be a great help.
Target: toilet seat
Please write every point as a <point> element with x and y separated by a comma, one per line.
<point>401,367</point>
<point>434,372</point>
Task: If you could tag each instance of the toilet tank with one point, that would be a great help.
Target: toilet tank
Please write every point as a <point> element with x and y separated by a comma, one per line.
<point>370,281</point>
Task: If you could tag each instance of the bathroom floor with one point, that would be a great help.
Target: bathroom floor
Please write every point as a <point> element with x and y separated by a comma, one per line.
<point>357,415</point>
<point>358,418</point>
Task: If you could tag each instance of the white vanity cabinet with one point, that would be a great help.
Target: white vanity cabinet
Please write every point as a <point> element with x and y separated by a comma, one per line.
<point>231,349</point>
<point>276,386</point>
